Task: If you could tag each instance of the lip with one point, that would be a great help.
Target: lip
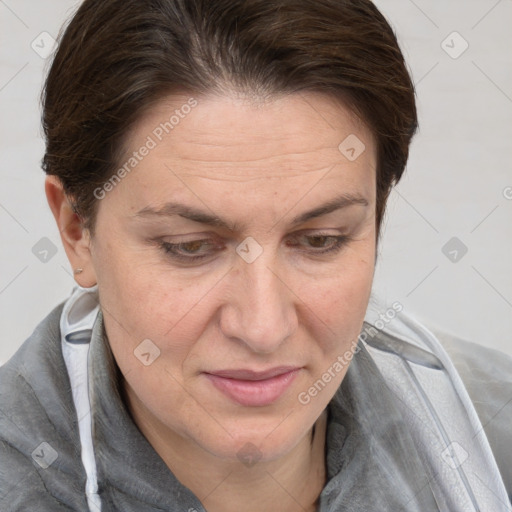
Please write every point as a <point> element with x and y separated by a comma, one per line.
<point>253,388</point>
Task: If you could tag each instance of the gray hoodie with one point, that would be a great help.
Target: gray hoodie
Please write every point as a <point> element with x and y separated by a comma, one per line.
<point>376,456</point>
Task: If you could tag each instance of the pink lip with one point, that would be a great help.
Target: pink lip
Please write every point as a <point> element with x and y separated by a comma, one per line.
<point>251,388</point>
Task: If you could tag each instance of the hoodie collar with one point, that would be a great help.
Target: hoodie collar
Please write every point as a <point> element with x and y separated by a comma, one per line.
<point>371,461</point>
<point>131,475</point>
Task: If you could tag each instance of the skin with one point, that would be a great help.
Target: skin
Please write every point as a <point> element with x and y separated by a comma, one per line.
<point>257,164</point>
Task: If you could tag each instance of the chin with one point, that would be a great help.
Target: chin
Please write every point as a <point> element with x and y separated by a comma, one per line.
<point>266,441</point>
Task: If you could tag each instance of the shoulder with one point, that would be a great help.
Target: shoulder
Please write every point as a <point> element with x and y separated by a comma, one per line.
<point>487,376</point>
<point>30,380</point>
<point>39,441</point>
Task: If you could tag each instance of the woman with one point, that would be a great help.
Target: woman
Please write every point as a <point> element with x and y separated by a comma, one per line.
<point>219,171</point>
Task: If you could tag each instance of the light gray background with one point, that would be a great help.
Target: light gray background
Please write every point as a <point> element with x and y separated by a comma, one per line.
<point>458,182</point>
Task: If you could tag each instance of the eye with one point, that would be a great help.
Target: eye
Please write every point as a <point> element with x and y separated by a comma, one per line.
<point>323,243</point>
<point>194,251</point>
<point>188,251</point>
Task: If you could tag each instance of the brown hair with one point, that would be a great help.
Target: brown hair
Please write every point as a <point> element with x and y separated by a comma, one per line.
<point>118,57</point>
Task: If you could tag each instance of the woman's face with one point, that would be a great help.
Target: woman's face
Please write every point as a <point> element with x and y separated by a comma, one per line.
<point>276,223</point>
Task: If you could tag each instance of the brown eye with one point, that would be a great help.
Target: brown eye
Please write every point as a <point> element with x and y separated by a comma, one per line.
<point>322,243</point>
<point>318,241</point>
<point>191,247</point>
<point>189,251</point>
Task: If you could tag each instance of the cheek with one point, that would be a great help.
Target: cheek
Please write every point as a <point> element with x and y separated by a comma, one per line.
<point>340,304</point>
<point>130,288</point>
<point>141,302</point>
<point>340,298</point>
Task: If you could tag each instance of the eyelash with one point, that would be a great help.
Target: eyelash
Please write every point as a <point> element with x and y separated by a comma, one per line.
<point>170,249</point>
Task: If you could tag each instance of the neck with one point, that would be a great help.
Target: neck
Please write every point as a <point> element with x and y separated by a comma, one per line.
<point>294,481</point>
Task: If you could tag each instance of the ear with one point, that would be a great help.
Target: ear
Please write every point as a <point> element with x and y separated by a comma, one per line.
<point>75,238</point>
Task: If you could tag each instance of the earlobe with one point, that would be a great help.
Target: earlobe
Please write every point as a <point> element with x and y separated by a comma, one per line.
<point>75,238</point>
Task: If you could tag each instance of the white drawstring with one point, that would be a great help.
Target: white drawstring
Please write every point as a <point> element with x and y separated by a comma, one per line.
<point>481,465</point>
<point>76,323</point>
<point>80,312</point>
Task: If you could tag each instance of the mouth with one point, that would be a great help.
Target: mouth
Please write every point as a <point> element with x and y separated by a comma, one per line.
<point>253,388</point>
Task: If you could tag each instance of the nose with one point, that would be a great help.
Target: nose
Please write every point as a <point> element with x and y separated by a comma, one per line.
<point>260,310</point>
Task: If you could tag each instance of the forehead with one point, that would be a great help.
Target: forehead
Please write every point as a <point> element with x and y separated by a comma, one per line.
<point>290,124</point>
<point>293,141</point>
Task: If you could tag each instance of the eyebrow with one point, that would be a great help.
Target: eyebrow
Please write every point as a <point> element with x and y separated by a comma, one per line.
<point>171,209</point>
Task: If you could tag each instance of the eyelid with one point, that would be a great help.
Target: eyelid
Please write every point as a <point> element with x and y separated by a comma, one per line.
<point>216,239</point>
<point>171,248</point>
